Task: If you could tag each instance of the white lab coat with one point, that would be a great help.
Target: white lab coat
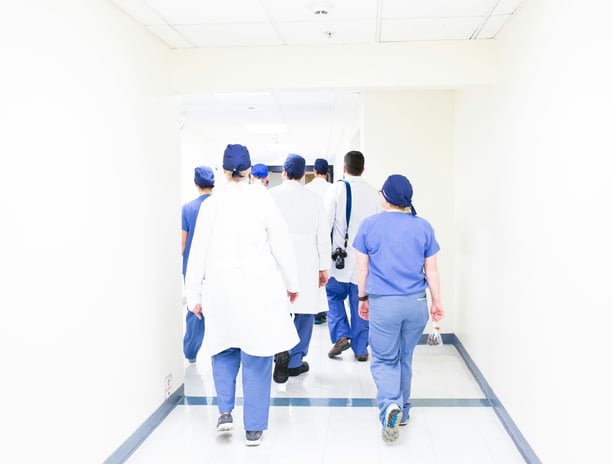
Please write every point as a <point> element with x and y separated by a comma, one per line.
<point>365,202</point>
<point>319,186</point>
<point>241,265</point>
<point>307,219</point>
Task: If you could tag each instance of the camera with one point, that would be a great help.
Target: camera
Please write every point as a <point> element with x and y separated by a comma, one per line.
<point>338,256</point>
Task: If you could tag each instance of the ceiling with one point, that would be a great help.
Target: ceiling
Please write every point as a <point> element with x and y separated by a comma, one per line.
<point>309,123</point>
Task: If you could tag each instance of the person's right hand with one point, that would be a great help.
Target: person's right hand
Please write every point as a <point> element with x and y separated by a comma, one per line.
<point>292,296</point>
<point>197,310</point>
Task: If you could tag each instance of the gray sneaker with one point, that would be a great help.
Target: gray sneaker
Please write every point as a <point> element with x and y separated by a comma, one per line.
<point>253,438</point>
<point>390,430</point>
<point>225,422</point>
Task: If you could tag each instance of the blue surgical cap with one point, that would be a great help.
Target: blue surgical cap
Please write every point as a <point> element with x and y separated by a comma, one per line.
<point>204,177</point>
<point>295,165</point>
<point>236,158</point>
<point>397,190</point>
<point>321,166</point>
<point>259,170</point>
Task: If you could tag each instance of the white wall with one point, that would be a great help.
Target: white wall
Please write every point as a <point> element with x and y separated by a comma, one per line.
<point>532,187</point>
<point>443,64</point>
<point>90,201</point>
<point>411,133</point>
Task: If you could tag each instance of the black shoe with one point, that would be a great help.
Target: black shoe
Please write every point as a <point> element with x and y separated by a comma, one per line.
<point>320,318</point>
<point>362,357</point>
<point>295,371</point>
<point>339,347</point>
<point>281,366</point>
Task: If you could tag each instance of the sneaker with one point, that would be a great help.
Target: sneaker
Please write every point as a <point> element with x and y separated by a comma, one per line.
<point>320,318</point>
<point>281,366</point>
<point>225,422</point>
<point>390,430</point>
<point>295,371</point>
<point>339,347</point>
<point>362,357</point>
<point>253,438</point>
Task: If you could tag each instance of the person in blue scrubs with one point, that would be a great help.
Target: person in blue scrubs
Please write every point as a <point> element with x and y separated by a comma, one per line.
<point>204,179</point>
<point>396,253</point>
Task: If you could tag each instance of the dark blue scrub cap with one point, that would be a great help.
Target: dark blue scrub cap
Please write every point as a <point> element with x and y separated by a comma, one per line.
<point>236,158</point>
<point>321,166</point>
<point>204,177</point>
<point>259,170</point>
<point>397,190</point>
<point>295,165</point>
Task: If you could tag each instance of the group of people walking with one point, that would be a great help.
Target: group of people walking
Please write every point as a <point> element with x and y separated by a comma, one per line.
<point>262,266</point>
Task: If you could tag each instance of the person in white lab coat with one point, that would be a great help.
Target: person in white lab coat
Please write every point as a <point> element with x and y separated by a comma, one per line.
<point>241,247</point>
<point>320,185</point>
<point>304,212</point>
<point>348,331</point>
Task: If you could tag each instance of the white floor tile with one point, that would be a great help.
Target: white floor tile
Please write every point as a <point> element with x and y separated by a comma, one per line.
<point>323,434</point>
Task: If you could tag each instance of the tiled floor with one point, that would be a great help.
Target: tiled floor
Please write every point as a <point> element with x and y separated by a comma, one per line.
<point>328,415</point>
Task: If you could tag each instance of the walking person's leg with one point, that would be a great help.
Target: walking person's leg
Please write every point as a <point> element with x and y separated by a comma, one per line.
<point>413,326</point>
<point>256,385</point>
<point>225,366</point>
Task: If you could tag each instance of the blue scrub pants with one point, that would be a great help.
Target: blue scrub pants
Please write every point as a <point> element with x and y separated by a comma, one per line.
<point>194,335</point>
<point>396,325</point>
<point>304,324</point>
<point>256,385</point>
<point>337,320</point>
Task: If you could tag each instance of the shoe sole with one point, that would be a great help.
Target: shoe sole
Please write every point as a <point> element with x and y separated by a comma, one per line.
<point>298,370</point>
<point>391,429</point>
<point>281,368</point>
<point>225,427</point>
<point>254,442</point>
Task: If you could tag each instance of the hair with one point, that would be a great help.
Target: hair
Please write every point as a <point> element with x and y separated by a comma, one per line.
<point>354,162</point>
<point>231,178</point>
<point>293,176</point>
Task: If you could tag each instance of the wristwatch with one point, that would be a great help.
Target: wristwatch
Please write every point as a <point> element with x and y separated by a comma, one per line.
<point>363,298</point>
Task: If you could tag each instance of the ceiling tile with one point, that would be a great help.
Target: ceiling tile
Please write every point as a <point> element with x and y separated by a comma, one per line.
<point>170,36</point>
<point>435,8</point>
<point>303,10</point>
<point>230,35</point>
<point>341,32</point>
<point>140,11</point>
<point>429,29</point>
<point>207,11</point>
<point>507,7</point>
<point>493,26</point>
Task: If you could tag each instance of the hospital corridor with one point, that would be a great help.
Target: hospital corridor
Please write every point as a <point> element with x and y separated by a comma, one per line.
<point>488,121</point>
<point>329,415</point>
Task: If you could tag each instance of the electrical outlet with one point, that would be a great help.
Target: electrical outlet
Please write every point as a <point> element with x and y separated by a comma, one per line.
<point>168,385</point>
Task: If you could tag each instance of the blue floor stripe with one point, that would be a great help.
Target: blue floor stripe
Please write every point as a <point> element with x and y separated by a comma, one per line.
<point>348,402</point>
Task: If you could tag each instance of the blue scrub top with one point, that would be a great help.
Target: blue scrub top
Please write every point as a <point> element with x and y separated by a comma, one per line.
<point>397,244</point>
<point>189,215</point>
